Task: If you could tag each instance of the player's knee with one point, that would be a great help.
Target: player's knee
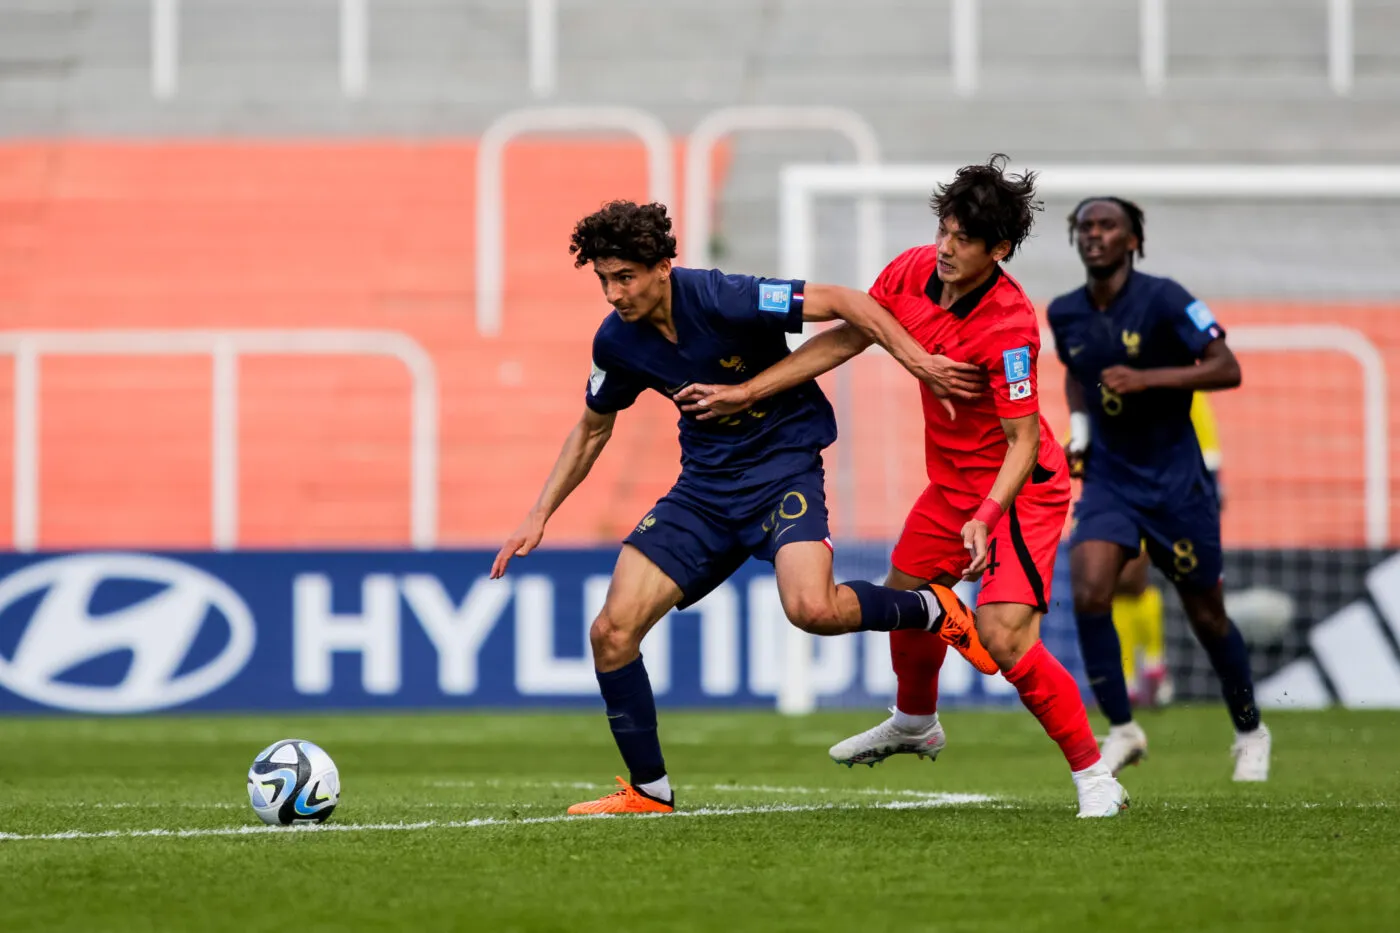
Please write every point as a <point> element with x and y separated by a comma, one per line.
<point>614,643</point>
<point>1210,621</point>
<point>1006,644</point>
<point>1093,600</point>
<point>814,615</point>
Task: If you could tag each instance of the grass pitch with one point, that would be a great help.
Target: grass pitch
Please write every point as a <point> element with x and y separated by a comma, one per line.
<point>455,822</point>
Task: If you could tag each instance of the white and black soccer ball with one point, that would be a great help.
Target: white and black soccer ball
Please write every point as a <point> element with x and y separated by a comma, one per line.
<point>293,781</point>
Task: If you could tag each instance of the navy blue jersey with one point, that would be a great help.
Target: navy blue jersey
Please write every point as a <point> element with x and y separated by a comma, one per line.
<point>728,328</point>
<point>1143,444</point>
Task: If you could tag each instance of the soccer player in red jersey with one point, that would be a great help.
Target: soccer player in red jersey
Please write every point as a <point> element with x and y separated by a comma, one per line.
<point>998,491</point>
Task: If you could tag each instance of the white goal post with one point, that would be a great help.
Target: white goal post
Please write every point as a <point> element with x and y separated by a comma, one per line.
<point>802,184</point>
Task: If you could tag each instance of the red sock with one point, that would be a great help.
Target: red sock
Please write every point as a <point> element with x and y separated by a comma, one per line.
<point>917,657</point>
<point>1052,696</point>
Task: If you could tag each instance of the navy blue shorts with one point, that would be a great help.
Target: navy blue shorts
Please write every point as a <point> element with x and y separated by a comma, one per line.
<point>1182,540</point>
<point>700,539</point>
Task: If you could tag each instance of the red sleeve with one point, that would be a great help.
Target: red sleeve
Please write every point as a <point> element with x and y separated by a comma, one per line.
<point>1010,350</point>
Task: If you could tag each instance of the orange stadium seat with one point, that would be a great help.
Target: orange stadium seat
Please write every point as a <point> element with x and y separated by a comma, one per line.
<point>381,236</point>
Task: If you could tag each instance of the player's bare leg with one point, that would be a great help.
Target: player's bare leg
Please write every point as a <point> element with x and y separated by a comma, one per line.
<point>639,594</point>
<point>815,603</point>
<point>913,727</point>
<point>1205,608</point>
<point>1094,570</point>
<point>1011,632</point>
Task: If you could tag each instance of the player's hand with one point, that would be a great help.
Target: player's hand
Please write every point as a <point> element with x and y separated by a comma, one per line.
<point>1123,380</point>
<point>951,379</point>
<point>1075,459</point>
<point>711,401</point>
<point>974,535</point>
<point>521,542</point>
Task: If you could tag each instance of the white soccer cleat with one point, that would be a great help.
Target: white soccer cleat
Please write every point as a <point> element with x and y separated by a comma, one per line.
<point>1125,745</point>
<point>1100,794</point>
<point>1252,751</point>
<point>875,745</point>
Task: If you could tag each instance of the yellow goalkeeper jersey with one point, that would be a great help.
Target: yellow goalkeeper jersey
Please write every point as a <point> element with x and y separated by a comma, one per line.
<point>1203,418</point>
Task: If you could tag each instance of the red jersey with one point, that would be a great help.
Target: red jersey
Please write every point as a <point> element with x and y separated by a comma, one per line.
<point>994,327</point>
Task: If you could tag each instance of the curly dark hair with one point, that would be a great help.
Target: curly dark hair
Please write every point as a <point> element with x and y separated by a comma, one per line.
<point>624,230</point>
<point>989,204</point>
<point>1130,210</point>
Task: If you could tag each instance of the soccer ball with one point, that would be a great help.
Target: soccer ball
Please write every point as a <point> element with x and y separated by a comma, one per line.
<point>293,781</point>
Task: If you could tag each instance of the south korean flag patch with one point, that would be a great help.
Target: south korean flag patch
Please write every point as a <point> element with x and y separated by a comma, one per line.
<point>1020,390</point>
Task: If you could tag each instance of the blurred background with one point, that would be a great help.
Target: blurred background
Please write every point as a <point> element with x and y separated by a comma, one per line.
<point>292,275</point>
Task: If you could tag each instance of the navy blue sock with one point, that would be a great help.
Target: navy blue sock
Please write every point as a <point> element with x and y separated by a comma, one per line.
<point>885,610</point>
<point>1103,663</point>
<point>632,716</point>
<point>1230,658</point>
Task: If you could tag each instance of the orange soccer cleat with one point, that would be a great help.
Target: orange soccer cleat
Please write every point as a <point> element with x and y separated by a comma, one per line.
<point>626,800</point>
<point>959,629</point>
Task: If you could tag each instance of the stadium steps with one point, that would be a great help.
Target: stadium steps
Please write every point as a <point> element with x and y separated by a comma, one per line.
<point>205,235</point>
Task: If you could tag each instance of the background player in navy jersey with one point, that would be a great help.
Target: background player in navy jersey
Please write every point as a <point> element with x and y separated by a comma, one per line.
<point>1135,348</point>
<point>750,484</point>
<point>999,489</point>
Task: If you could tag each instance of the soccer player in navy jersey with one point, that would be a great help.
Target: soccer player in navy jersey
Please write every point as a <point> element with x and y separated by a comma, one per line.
<point>999,487</point>
<point>1135,348</point>
<point>751,484</point>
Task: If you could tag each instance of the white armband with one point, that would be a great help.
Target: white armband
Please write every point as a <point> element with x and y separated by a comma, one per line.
<point>1078,432</point>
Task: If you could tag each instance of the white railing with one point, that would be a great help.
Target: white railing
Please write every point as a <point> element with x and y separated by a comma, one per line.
<point>490,182</point>
<point>699,153</point>
<point>354,47</point>
<point>800,185</point>
<point>1152,44</point>
<point>225,347</point>
<point>964,31</point>
<point>1375,399</point>
<point>1341,50</point>
<point>963,27</point>
<point>544,47</point>
<point>165,47</point>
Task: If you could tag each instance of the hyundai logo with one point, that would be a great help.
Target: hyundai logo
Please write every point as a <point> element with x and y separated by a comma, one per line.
<point>158,630</point>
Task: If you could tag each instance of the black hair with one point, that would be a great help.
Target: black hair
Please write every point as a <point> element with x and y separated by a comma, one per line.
<point>624,230</point>
<point>1130,210</point>
<point>989,204</point>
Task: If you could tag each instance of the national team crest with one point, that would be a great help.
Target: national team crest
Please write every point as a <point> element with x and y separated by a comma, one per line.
<point>1132,343</point>
<point>1018,363</point>
<point>775,297</point>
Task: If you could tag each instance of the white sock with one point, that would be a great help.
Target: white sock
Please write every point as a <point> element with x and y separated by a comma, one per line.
<point>659,788</point>
<point>908,722</point>
<point>934,607</point>
<point>1097,769</point>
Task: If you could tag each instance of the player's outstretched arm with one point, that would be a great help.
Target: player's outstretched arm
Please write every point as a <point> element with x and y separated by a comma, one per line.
<point>581,449</point>
<point>1218,369</point>
<point>821,354</point>
<point>1022,447</point>
<point>946,377</point>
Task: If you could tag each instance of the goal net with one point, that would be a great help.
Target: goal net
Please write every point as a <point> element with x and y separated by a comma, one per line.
<point>1289,258</point>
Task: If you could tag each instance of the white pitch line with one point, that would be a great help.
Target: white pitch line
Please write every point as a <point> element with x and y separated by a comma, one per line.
<point>930,802</point>
<point>722,788</point>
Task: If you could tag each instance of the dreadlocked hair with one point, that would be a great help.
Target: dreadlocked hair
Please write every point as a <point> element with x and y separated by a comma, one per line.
<point>1130,210</point>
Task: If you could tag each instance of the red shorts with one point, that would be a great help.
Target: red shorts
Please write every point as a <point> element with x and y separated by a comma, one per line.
<point>1021,549</point>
